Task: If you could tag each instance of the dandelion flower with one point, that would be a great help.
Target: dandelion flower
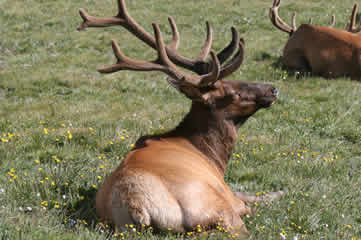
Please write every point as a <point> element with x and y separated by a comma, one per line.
<point>70,136</point>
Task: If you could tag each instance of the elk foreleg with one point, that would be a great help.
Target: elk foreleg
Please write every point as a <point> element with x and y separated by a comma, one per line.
<point>259,198</point>
<point>233,223</point>
<point>295,60</point>
<point>248,198</point>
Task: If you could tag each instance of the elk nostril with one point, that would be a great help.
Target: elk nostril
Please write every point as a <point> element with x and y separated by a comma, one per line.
<point>274,91</point>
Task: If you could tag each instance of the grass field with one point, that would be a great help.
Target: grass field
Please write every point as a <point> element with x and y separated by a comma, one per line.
<point>64,127</point>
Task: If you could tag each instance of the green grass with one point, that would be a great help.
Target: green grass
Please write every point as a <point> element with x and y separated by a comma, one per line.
<point>64,127</point>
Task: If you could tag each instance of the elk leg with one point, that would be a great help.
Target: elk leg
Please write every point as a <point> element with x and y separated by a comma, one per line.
<point>254,198</point>
<point>234,224</point>
<point>248,198</point>
<point>296,61</point>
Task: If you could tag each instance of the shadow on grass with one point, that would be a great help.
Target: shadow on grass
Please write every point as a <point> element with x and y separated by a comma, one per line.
<point>83,211</point>
<point>278,64</point>
<point>298,74</point>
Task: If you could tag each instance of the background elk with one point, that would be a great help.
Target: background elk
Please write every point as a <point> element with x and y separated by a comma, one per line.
<point>176,179</point>
<point>326,51</point>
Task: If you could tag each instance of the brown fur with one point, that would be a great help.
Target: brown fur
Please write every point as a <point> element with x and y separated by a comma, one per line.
<point>175,180</point>
<point>325,51</point>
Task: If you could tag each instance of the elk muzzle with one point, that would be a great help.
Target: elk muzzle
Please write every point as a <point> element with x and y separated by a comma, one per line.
<point>268,97</point>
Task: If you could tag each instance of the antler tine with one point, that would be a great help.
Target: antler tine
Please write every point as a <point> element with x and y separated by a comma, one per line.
<point>333,21</point>
<point>207,44</point>
<point>228,51</point>
<point>175,40</point>
<point>122,10</point>
<point>126,63</point>
<point>225,53</point>
<point>200,81</point>
<point>351,26</point>
<point>235,62</point>
<point>213,76</point>
<point>162,52</point>
<point>90,21</point>
<point>277,21</point>
<point>122,18</point>
<point>293,18</point>
<point>358,29</point>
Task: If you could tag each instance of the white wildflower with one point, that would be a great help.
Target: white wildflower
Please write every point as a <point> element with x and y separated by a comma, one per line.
<point>283,236</point>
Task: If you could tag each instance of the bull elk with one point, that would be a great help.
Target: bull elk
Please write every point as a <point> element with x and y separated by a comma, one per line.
<point>176,179</point>
<point>325,51</point>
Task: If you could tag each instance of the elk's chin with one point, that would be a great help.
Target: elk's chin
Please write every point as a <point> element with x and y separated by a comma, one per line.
<point>266,102</point>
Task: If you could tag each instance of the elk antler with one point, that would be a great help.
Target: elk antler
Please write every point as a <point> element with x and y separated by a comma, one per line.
<point>234,63</point>
<point>350,27</point>
<point>164,64</point>
<point>332,23</point>
<point>124,19</point>
<point>278,22</point>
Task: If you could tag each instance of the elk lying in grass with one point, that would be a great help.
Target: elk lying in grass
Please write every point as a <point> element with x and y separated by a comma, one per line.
<point>325,51</point>
<point>176,179</point>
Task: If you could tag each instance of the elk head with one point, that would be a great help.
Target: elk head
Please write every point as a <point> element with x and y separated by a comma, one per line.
<point>165,175</point>
<point>206,87</point>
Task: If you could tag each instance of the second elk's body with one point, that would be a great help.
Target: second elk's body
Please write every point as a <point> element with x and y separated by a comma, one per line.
<point>325,51</point>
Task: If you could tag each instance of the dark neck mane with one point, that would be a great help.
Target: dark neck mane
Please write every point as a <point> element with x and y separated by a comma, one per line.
<point>208,130</point>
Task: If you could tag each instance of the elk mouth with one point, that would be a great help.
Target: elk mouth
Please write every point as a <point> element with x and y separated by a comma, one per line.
<point>267,101</point>
<point>269,98</point>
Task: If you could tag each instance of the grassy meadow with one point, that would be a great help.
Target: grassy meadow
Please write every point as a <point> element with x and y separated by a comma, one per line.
<point>64,127</point>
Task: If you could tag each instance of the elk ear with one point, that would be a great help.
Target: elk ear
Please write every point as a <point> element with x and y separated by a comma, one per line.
<point>188,90</point>
<point>226,97</point>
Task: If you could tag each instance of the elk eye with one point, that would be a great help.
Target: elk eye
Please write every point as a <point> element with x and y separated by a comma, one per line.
<point>275,92</point>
